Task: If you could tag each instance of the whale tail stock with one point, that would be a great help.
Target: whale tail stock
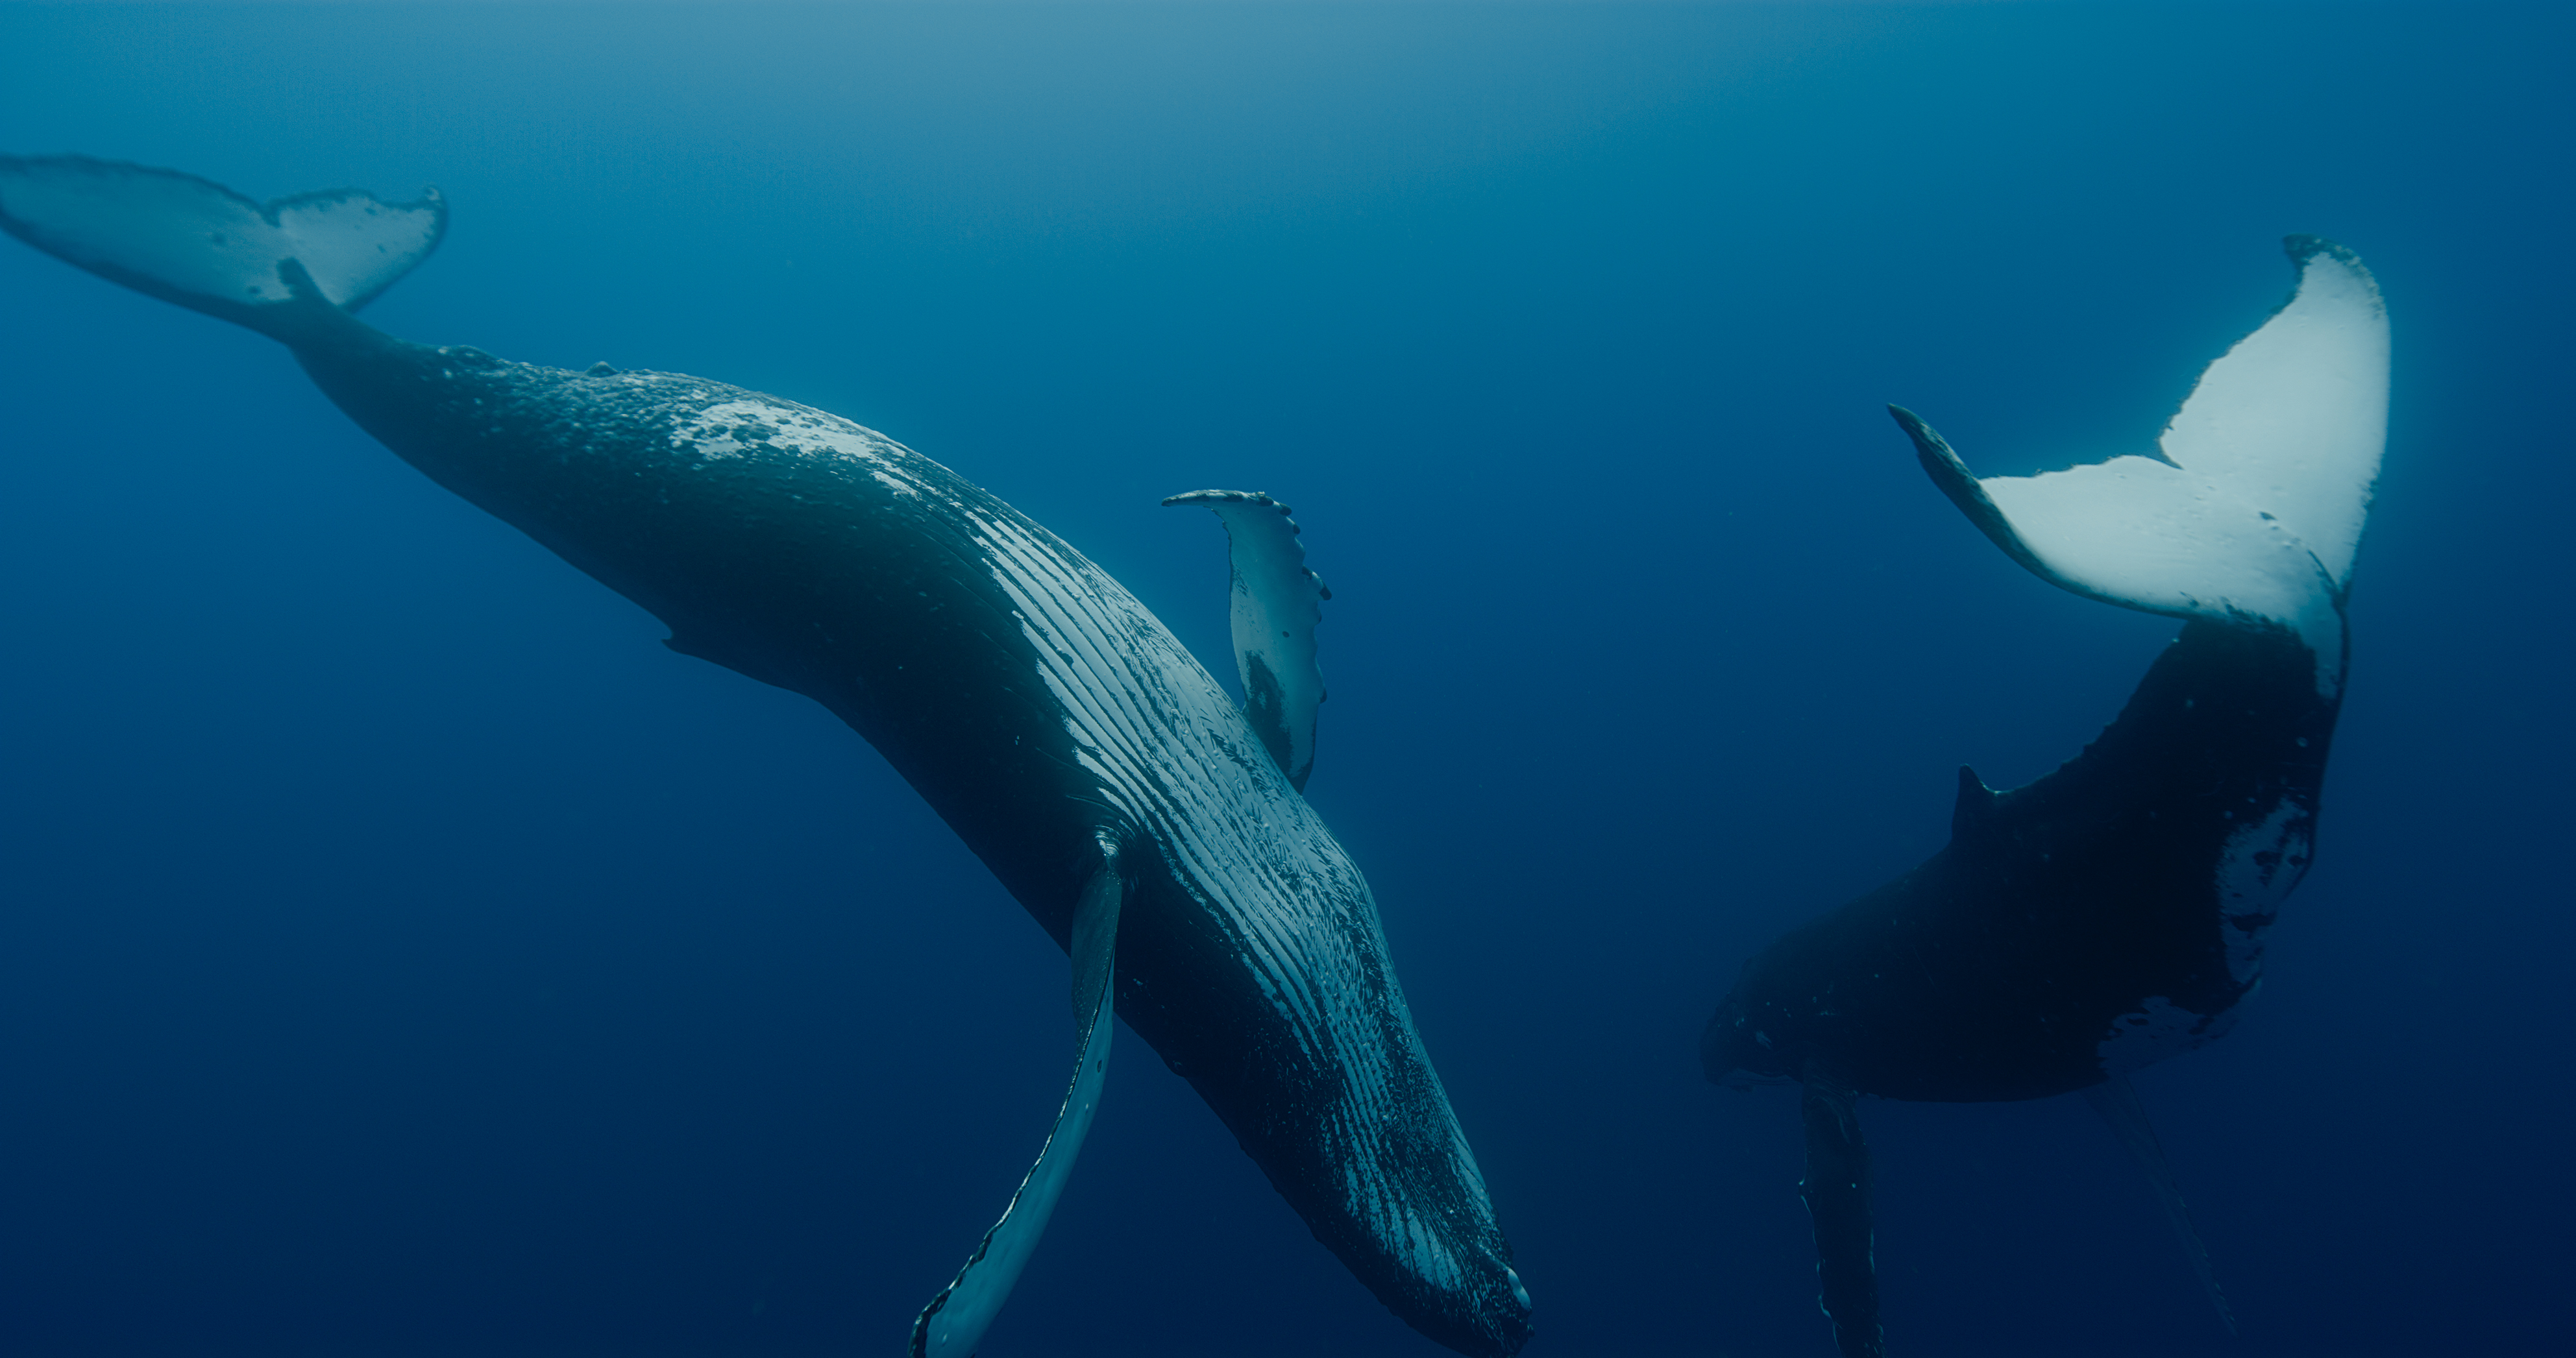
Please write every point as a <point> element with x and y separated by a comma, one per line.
<point>277,267</point>
<point>2251,509</point>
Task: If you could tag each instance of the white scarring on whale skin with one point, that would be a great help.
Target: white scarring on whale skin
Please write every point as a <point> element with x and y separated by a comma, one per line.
<point>2256,871</point>
<point>2259,867</point>
<point>715,434</point>
<point>2157,1031</point>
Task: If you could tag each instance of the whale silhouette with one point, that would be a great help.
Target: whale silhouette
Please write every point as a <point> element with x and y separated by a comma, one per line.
<point>2112,913</point>
<point>1154,830</point>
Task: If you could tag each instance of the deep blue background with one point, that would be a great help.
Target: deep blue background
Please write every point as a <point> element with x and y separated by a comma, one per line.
<point>402,954</point>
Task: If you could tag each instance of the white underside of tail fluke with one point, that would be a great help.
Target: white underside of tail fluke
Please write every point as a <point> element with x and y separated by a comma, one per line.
<point>2256,507</point>
<point>194,242</point>
<point>2142,533</point>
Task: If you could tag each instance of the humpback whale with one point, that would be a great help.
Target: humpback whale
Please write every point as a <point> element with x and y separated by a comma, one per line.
<point>1155,830</point>
<point>2112,913</point>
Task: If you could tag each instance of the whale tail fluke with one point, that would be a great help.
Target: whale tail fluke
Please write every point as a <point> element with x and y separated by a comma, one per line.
<point>196,243</point>
<point>2251,508</point>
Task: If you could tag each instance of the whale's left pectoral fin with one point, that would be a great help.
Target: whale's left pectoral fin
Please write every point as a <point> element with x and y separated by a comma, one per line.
<point>1277,603</point>
<point>2252,507</point>
<point>1837,1192</point>
<point>954,1322</point>
<point>2117,1101</point>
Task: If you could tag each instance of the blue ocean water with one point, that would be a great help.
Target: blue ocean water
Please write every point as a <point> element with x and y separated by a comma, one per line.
<point>401,953</point>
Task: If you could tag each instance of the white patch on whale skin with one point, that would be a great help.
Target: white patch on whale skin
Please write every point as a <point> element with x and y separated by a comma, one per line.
<point>2157,1029</point>
<point>2256,870</point>
<point>2259,866</point>
<point>719,431</point>
<point>1175,755</point>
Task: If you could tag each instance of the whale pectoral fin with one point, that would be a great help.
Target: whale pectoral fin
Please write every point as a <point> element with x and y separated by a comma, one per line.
<point>1837,1192</point>
<point>2117,1101</point>
<point>954,1322</point>
<point>2255,501</point>
<point>196,243</point>
<point>1276,604</point>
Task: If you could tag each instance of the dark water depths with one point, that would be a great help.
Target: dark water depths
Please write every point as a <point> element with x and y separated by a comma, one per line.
<point>402,954</point>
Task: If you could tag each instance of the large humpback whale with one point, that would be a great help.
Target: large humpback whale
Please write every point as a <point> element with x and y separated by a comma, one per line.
<point>2112,913</point>
<point>1154,830</point>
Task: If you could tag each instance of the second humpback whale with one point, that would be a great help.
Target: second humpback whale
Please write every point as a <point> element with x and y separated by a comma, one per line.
<point>2112,913</point>
<point>1150,827</point>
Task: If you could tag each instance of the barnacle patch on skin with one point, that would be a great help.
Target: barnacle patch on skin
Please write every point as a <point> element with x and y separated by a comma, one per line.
<point>731,429</point>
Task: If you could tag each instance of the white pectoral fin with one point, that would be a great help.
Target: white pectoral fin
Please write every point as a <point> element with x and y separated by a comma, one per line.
<point>2256,506</point>
<point>955,1321</point>
<point>1277,603</point>
<point>196,243</point>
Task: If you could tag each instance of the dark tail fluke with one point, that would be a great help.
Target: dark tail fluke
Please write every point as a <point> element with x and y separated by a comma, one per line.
<point>196,243</point>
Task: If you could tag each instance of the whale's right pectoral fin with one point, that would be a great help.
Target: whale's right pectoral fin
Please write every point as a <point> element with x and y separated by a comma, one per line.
<point>2117,1101</point>
<point>1277,603</point>
<point>954,1322</point>
<point>196,243</point>
<point>2254,507</point>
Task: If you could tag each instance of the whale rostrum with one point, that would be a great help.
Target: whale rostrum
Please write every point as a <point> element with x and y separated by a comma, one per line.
<point>1154,829</point>
<point>2113,913</point>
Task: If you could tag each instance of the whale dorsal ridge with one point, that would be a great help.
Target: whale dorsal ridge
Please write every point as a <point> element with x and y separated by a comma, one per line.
<point>1975,805</point>
<point>2254,506</point>
<point>1277,602</point>
<point>196,243</point>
